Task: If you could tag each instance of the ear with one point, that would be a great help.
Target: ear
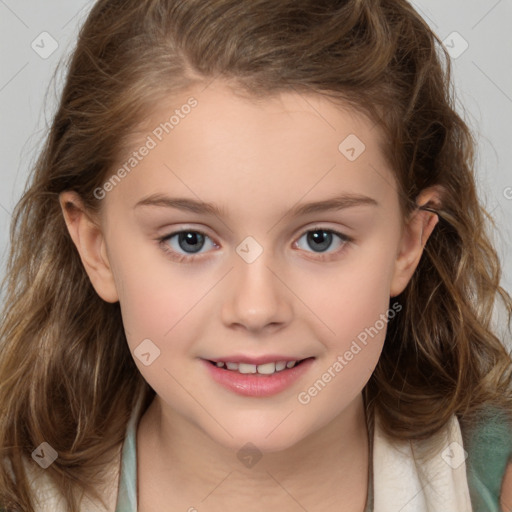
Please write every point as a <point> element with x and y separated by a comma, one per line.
<point>90,243</point>
<point>416,232</point>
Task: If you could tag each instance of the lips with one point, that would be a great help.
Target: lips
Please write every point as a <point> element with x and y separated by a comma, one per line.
<point>257,384</point>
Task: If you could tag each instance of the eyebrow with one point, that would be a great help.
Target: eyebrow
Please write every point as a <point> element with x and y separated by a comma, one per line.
<point>181,203</point>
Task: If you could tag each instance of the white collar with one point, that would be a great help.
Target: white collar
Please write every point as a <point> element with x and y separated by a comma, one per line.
<point>436,484</point>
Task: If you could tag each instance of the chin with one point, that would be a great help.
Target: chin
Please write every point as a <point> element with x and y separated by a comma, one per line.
<point>267,436</point>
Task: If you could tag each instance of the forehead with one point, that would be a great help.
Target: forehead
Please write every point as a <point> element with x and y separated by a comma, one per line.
<point>215,144</point>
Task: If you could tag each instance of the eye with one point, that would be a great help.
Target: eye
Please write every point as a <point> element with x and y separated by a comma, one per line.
<point>186,244</point>
<point>189,241</point>
<point>321,239</point>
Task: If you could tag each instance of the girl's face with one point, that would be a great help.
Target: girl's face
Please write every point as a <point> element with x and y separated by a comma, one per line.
<point>255,274</point>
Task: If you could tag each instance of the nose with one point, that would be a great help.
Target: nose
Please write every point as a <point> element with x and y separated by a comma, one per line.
<point>256,298</point>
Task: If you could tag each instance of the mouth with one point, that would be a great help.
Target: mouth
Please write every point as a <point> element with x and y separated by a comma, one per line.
<point>262,380</point>
<point>269,368</point>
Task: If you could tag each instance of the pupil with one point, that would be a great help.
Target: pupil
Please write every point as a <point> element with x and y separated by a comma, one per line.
<point>323,238</point>
<point>191,238</point>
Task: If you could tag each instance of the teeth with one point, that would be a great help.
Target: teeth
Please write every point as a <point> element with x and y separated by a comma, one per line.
<point>267,368</point>
<point>263,369</point>
<point>246,368</point>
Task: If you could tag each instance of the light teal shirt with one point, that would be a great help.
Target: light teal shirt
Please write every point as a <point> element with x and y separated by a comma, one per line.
<point>489,449</point>
<point>127,493</point>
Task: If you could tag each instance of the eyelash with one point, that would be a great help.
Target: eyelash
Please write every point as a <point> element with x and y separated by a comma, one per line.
<point>189,258</point>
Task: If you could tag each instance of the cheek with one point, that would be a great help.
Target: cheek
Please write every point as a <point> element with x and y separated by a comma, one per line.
<point>152,300</point>
<point>353,295</point>
<point>156,318</point>
<point>357,317</point>
<point>154,312</point>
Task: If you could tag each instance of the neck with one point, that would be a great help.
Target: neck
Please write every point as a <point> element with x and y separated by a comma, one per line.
<point>335,458</point>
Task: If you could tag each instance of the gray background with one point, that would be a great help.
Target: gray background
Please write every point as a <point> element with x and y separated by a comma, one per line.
<point>482,78</point>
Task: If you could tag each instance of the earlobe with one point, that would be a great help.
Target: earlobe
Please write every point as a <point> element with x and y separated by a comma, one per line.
<point>416,233</point>
<point>90,243</point>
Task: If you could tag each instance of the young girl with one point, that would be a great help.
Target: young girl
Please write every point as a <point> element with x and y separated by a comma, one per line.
<point>173,340</point>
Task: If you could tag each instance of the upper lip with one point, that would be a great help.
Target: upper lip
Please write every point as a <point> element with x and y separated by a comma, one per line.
<point>270,358</point>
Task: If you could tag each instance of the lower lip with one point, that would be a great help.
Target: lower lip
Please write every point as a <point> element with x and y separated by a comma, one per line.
<point>254,384</point>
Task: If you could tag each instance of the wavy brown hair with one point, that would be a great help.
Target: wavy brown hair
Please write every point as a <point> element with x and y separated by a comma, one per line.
<point>66,374</point>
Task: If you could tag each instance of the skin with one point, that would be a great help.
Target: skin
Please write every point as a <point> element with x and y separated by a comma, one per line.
<point>506,490</point>
<point>257,160</point>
